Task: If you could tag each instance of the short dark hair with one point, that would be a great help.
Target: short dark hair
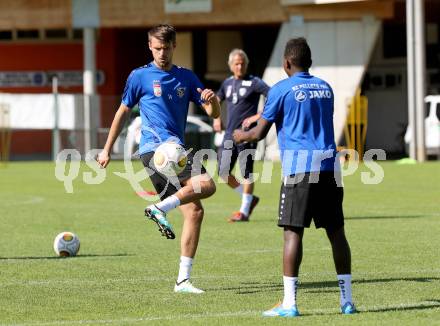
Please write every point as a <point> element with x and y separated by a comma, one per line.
<point>165,33</point>
<point>298,53</point>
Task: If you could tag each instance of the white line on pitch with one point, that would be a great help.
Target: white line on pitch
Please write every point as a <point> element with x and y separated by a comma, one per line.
<point>30,201</point>
<point>141,319</point>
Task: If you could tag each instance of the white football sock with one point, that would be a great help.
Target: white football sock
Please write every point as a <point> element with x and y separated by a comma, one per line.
<point>239,189</point>
<point>290,287</point>
<point>246,200</point>
<point>344,281</point>
<point>185,267</point>
<point>168,204</point>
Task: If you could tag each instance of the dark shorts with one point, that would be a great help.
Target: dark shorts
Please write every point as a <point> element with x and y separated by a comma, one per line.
<point>166,186</point>
<point>230,152</point>
<point>307,199</point>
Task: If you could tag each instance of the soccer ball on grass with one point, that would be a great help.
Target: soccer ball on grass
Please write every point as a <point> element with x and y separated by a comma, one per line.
<point>66,244</point>
<point>170,158</point>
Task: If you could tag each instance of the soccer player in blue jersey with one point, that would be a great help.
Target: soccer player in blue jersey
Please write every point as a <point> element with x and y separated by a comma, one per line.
<point>241,93</point>
<point>163,92</point>
<point>301,107</point>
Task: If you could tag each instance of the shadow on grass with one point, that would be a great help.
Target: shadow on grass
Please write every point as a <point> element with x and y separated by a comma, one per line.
<point>423,305</point>
<point>389,217</point>
<point>271,219</point>
<point>56,257</point>
<point>427,304</point>
<point>314,287</point>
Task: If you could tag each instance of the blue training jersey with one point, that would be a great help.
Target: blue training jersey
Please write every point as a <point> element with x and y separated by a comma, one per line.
<point>302,109</point>
<point>242,96</point>
<point>163,98</point>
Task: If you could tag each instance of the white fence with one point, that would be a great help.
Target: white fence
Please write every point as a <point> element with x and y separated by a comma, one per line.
<point>37,111</point>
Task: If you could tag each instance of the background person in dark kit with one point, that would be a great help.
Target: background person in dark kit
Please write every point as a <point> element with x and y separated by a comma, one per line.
<point>242,94</point>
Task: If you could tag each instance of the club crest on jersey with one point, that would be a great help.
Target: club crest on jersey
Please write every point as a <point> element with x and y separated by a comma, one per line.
<point>242,91</point>
<point>157,88</point>
<point>181,91</point>
<point>300,96</point>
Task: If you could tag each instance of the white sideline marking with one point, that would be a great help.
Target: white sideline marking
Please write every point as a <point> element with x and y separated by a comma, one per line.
<point>31,200</point>
<point>142,319</point>
<point>362,309</point>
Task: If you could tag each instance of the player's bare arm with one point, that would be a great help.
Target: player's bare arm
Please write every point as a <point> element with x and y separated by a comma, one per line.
<point>121,115</point>
<point>249,121</point>
<point>210,102</point>
<point>217,125</point>
<point>255,134</point>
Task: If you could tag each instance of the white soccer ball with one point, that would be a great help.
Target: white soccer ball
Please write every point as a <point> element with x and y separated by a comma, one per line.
<point>66,244</point>
<point>170,158</point>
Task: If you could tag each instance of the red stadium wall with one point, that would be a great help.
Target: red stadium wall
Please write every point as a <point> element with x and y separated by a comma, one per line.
<point>41,56</point>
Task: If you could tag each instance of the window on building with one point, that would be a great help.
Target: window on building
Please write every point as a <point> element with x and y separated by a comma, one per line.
<point>56,33</point>
<point>28,34</point>
<point>77,34</point>
<point>394,40</point>
<point>6,35</point>
<point>43,35</point>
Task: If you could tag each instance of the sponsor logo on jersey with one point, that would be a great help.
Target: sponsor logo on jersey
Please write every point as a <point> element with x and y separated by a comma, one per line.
<point>157,88</point>
<point>181,91</point>
<point>234,98</point>
<point>300,96</point>
<point>246,83</point>
<point>320,94</point>
<point>228,91</point>
<point>242,91</point>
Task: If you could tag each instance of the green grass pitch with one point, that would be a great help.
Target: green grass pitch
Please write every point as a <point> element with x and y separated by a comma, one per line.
<point>125,270</point>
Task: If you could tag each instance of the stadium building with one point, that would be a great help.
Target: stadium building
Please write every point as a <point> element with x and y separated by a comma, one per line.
<point>357,45</point>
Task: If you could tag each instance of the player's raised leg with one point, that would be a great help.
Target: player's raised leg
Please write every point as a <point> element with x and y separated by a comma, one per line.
<point>193,184</point>
<point>157,213</point>
<point>196,188</point>
<point>166,190</point>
